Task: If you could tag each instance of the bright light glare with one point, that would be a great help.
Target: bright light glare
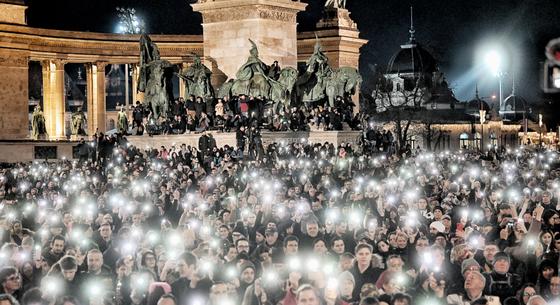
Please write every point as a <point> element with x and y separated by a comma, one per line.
<point>494,61</point>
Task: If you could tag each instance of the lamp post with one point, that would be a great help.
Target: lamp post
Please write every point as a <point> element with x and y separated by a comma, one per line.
<point>129,23</point>
<point>540,130</point>
<point>494,61</point>
<point>482,113</point>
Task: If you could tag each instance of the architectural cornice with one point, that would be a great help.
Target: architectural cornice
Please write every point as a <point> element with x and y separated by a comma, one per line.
<point>73,46</point>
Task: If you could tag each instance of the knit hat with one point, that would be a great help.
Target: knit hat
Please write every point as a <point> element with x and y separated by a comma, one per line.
<point>470,262</point>
<point>501,255</point>
<point>247,264</point>
<point>438,225</point>
<point>547,263</point>
<point>439,208</point>
<point>346,275</point>
<point>261,230</point>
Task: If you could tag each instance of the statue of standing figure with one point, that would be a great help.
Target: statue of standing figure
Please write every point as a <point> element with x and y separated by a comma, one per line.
<point>336,4</point>
<point>78,120</point>
<point>38,126</point>
<point>197,80</point>
<point>122,121</point>
<point>155,78</point>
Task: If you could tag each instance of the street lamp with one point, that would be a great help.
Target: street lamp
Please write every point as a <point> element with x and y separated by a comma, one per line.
<point>540,130</point>
<point>494,61</point>
<point>482,113</point>
<point>129,23</point>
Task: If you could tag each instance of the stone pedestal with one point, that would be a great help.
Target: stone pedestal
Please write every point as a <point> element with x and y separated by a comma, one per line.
<point>53,98</point>
<point>96,115</point>
<point>14,96</point>
<point>228,24</point>
<point>339,38</point>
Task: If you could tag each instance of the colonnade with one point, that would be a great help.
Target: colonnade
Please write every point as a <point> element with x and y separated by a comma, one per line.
<point>54,98</point>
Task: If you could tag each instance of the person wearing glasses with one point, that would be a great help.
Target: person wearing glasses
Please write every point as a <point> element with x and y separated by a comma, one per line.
<point>10,281</point>
<point>528,290</point>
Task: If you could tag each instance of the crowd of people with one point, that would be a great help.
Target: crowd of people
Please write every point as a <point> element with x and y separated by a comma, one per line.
<point>296,224</point>
<point>196,114</point>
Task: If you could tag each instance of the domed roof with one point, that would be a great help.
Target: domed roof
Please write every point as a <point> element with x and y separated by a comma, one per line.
<point>412,57</point>
<point>475,105</point>
<point>515,103</point>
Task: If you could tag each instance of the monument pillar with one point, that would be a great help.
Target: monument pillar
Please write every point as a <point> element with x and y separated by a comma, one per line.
<point>14,96</point>
<point>339,37</point>
<point>96,97</point>
<point>182,82</point>
<point>53,98</point>
<point>228,24</point>
<point>136,96</point>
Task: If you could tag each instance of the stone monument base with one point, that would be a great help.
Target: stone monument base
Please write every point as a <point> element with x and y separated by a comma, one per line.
<point>29,150</point>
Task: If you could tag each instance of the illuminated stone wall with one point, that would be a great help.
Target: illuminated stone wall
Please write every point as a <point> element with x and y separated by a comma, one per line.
<point>228,24</point>
<point>14,121</point>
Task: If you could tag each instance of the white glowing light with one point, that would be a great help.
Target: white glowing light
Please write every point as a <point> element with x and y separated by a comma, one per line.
<point>95,289</point>
<point>427,258</point>
<point>313,264</point>
<point>294,263</point>
<point>401,279</point>
<point>270,276</point>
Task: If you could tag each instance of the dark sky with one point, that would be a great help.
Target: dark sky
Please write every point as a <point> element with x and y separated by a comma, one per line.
<point>452,30</point>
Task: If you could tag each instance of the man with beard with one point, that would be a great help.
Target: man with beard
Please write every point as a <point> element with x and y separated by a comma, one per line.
<point>242,246</point>
<point>246,278</point>
<point>311,233</point>
<point>56,250</point>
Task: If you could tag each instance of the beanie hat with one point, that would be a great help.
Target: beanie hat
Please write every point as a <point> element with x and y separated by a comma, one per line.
<point>247,264</point>
<point>501,255</point>
<point>261,230</point>
<point>469,263</point>
<point>438,225</point>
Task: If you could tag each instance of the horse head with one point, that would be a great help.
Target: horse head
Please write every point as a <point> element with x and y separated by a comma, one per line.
<point>288,77</point>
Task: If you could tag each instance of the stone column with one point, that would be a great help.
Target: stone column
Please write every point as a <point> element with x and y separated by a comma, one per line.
<point>54,98</point>
<point>14,96</point>
<point>183,66</point>
<point>136,96</point>
<point>96,97</point>
<point>228,24</point>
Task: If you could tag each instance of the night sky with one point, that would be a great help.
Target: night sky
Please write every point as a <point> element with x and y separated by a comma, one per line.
<point>453,31</point>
